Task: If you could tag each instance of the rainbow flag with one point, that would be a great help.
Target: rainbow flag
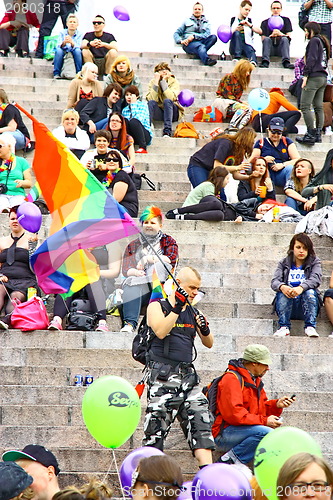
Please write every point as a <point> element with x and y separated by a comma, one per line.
<point>84,215</point>
<point>34,193</point>
<point>157,288</point>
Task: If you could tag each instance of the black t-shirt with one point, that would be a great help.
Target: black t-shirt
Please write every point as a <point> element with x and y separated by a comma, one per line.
<point>180,339</point>
<point>287,27</point>
<point>99,159</point>
<point>99,52</point>
<point>219,149</point>
<point>10,113</point>
<point>130,201</point>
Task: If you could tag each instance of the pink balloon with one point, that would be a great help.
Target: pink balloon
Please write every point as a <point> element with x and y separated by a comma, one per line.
<point>121,13</point>
<point>186,97</point>
<point>224,33</point>
<point>275,23</point>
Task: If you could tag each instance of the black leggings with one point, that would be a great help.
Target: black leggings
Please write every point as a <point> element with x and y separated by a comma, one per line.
<point>96,298</point>
<point>209,208</point>
<point>290,119</point>
<point>139,133</point>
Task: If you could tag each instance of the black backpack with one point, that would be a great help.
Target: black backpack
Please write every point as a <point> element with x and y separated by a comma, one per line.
<point>80,318</point>
<point>210,391</point>
<point>144,337</point>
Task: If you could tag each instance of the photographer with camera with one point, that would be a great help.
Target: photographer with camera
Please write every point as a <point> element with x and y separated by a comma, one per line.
<point>15,174</point>
<point>172,381</point>
<point>280,152</point>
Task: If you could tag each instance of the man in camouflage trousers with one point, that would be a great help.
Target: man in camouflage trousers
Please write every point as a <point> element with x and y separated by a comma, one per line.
<point>173,389</point>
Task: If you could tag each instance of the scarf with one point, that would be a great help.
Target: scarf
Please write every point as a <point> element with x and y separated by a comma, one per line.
<point>199,21</point>
<point>3,106</point>
<point>155,242</point>
<point>7,164</point>
<point>123,80</point>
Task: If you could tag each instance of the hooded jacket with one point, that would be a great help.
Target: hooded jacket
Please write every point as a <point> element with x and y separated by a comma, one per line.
<point>242,406</point>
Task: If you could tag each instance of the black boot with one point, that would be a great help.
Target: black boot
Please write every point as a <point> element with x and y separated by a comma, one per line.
<point>318,135</point>
<point>309,138</point>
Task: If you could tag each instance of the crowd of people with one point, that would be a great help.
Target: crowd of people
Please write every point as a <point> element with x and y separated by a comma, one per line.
<point>114,115</point>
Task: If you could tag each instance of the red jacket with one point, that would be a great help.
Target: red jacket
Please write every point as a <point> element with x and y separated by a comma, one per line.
<point>31,18</point>
<point>242,406</point>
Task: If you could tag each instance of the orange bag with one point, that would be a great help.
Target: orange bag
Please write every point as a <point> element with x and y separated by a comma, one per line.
<point>186,129</point>
<point>208,114</point>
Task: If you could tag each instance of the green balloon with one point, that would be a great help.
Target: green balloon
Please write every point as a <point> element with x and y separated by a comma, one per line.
<point>273,451</point>
<point>111,410</point>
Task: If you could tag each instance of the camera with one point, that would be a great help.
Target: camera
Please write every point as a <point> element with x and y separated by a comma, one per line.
<point>3,188</point>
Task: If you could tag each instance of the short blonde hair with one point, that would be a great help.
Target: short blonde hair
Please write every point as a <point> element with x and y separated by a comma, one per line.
<point>68,113</point>
<point>9,140</point>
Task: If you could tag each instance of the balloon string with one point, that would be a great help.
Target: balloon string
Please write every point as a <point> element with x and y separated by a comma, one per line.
<point>260,121</point>
<point>117,471</point>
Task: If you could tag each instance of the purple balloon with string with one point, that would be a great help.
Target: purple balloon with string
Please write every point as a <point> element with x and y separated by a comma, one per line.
<point>121,13</point>
<point>224,33</point>
<point>221,482</point>
<point>29,216</point>
<point>186,97</point>
<point>131,462</point>
<point>275,23</point>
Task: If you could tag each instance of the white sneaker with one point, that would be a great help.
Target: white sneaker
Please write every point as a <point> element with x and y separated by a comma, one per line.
<point>282,332</point>
<point>310,331</point>
<point>127,328</point>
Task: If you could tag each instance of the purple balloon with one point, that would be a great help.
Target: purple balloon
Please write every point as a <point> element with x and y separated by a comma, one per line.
<point>186,97</point>
<point>121,13</point>
<point>187,493</point>
<point>275,23</point>
<point>221,482</point>
<point>130,464</point>
<point>224,33</point>
<point>29,216</point>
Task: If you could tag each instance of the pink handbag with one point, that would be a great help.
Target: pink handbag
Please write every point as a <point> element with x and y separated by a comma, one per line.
<point>30,315</point>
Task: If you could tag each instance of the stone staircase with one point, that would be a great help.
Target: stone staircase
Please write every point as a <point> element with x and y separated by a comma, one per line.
<point>38,402</point>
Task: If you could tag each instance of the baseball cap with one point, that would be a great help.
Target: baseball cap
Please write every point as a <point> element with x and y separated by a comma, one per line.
<point>34,452</point>
<point>276,123</point>
<point>257,353</point>
<point>13,480</point>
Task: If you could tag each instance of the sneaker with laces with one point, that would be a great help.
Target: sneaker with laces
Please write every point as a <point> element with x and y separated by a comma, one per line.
<point>310,331</point>
<point>55,325</point>
<point>282,332</point>
<point>102,327</point>
<point>127,328</point>
<point>3,325</point>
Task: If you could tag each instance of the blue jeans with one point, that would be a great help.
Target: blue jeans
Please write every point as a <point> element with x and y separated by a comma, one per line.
<point>238,47</point>
<point>168,114</point>
<point>296,205</point>
<point>197,174</point>
<point>242,440</point>
<point>304,307</point>
<point>200,47</point>
<point>134,297</point>
<point>59,59</point>
<point>280,177</point>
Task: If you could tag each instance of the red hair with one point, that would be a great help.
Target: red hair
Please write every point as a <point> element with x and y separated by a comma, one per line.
<point>276,89</point>
<point>122,136</point>
<point>263,178</point>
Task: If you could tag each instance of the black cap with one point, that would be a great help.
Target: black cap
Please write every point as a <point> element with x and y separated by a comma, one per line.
<point>34,452</point>
<point>13,480</point>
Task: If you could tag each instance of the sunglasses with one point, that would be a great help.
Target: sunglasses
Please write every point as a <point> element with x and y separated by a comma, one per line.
<point>278,132</point>
<point>112,158</point>
<point>98,22</point>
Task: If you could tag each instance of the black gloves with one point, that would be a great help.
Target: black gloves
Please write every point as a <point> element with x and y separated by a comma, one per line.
<point>202,324</point>
<point>180,297</point>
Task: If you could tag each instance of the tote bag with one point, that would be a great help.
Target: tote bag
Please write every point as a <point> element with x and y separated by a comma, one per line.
<point>30,315</point>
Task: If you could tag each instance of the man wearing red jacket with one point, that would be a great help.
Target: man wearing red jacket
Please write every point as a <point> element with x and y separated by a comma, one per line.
<point>244,414</point>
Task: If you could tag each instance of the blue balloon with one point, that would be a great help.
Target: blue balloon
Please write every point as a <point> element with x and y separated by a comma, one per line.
<point>259,99</point>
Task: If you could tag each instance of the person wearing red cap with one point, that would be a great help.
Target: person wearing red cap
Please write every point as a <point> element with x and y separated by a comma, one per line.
<point>41,464</point>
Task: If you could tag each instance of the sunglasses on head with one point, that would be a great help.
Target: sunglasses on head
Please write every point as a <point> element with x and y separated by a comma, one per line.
<point>98,22</point>
<point>279,132</point>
